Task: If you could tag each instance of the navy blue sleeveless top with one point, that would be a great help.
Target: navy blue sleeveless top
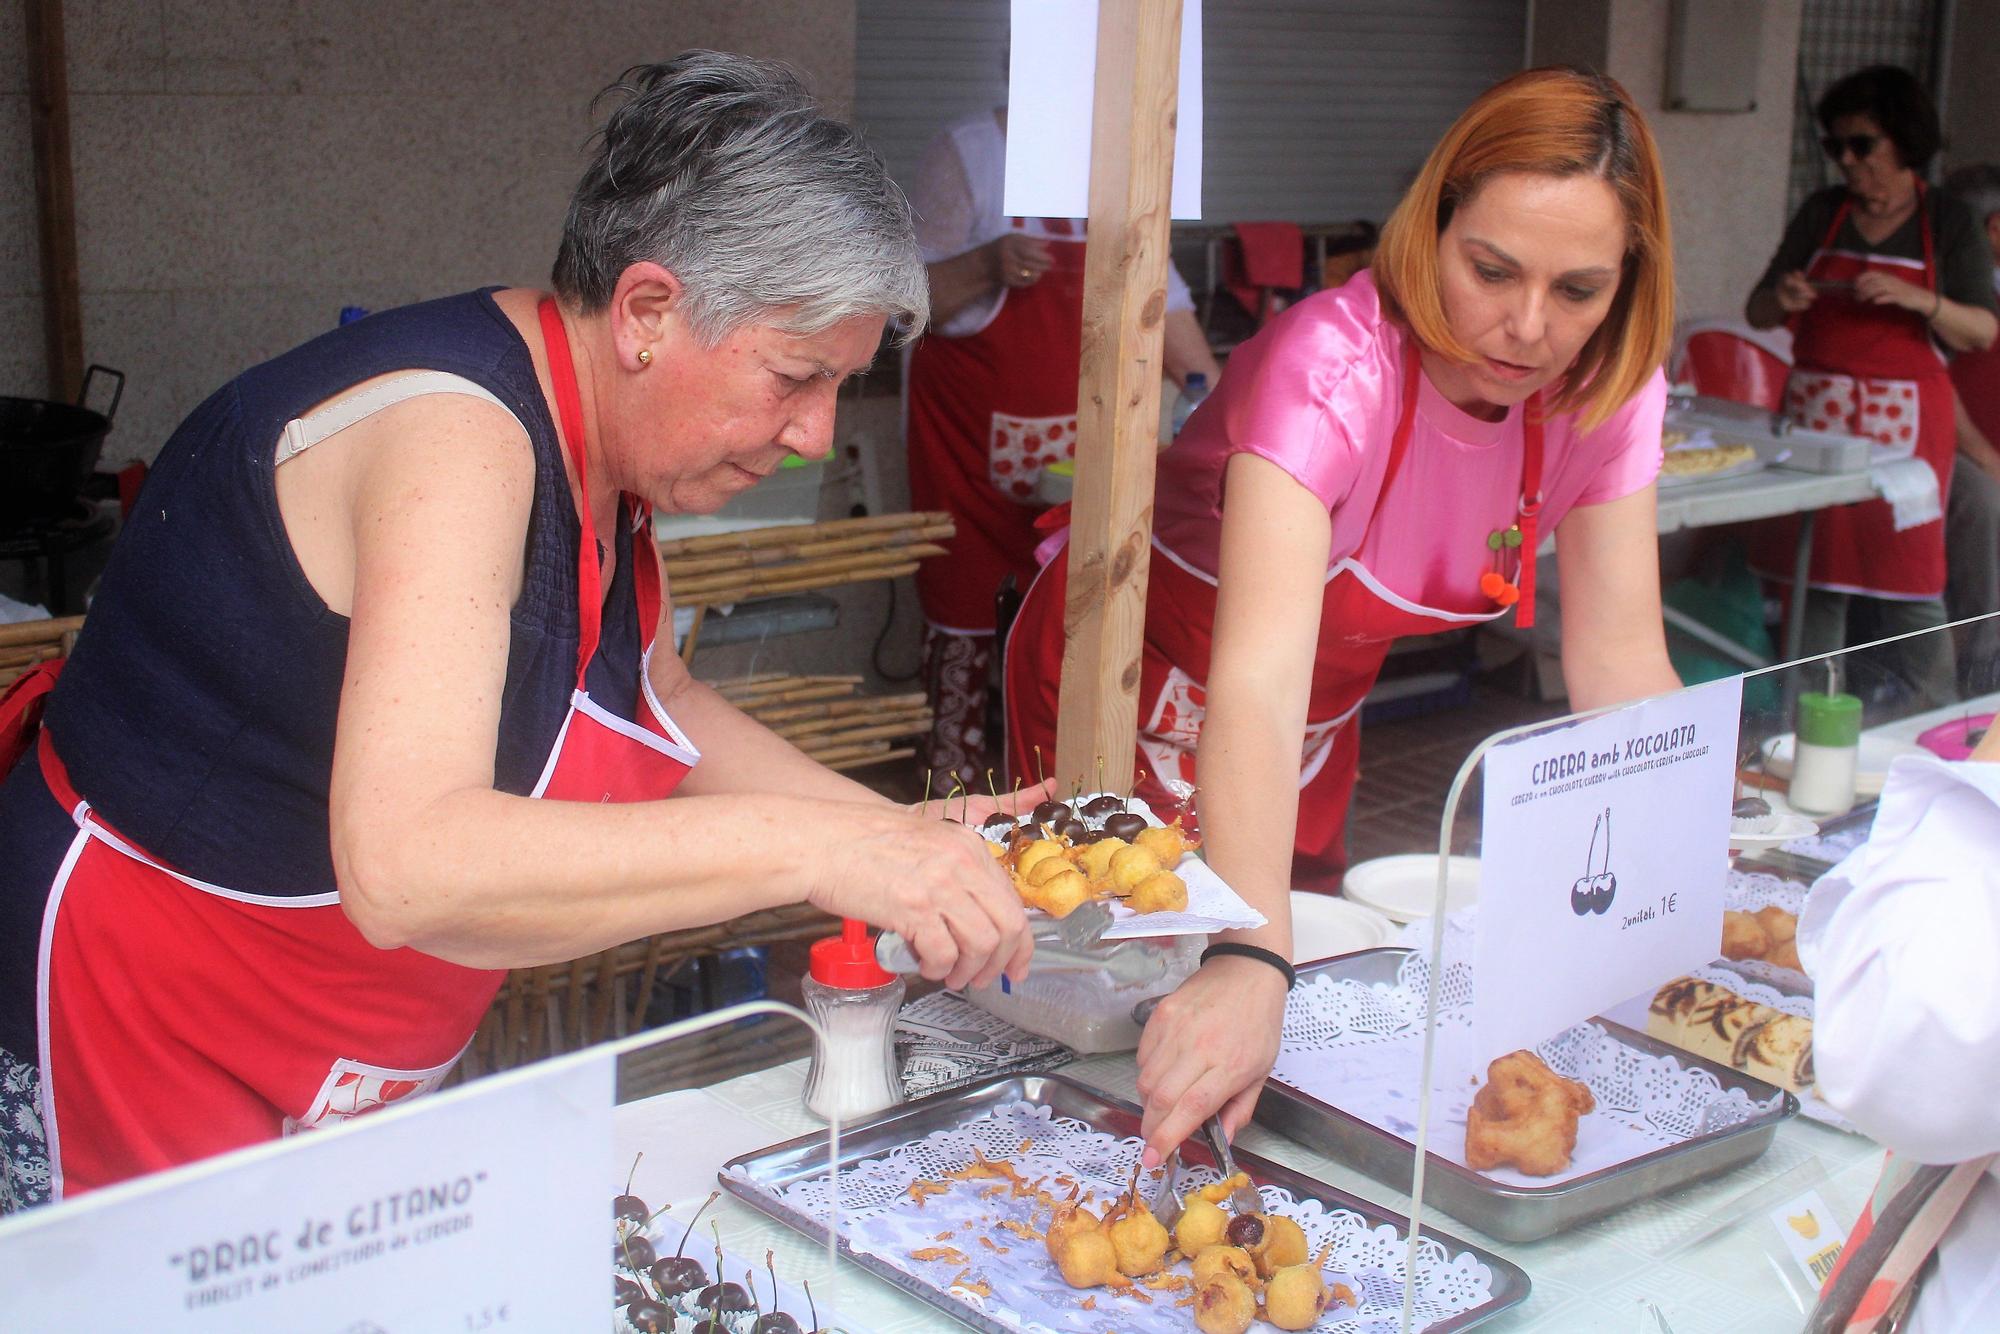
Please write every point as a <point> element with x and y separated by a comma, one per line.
<point>197,712</point>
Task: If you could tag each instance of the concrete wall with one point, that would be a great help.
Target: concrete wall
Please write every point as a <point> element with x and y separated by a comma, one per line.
<point>243,170</point>
<point>1726,173</point>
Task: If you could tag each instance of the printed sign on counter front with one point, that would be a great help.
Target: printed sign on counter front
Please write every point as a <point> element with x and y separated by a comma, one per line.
<point>1603,862</point>
<point>477,1209</point>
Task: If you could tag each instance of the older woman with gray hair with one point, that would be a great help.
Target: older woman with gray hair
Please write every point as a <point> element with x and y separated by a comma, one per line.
<point>378,697</point>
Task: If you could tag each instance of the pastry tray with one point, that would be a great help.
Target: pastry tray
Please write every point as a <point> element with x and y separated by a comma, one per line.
<point>1510,1212</point>
<point>759,1178</point>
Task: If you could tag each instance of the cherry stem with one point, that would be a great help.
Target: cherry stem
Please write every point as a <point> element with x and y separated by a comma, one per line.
<point>634,1172</point>
<point>1040,777</point>
<point>713,1196</point>
<point>812,1306</point>
<point>772,1269</point>
<point>924,806</point>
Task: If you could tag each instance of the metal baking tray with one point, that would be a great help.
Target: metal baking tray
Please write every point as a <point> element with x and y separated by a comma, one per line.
<point>1517,1213</point>
<point>782,1165</point>
<point>1791,865</point>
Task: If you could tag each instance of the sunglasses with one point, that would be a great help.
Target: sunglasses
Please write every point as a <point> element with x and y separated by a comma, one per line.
<point>1861,145</point>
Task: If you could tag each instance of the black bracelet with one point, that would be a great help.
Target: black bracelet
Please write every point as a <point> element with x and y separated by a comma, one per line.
<point>1257,952</point>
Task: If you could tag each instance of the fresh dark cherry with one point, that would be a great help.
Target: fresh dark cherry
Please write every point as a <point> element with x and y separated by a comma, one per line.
<point>1126,825</point>
<point>1245,1230</point>
<point>728,1298</point>
<point>1052,812</point>
<point>624,1291</point>
<point>777,1322</point>
<point>1099,807</point>
<point>631,1208</point>
<point>996,822</point>
<point>678,1274</point>
<point>1073,829</point>
<point>649,1317</point>
<point>635,1252</point>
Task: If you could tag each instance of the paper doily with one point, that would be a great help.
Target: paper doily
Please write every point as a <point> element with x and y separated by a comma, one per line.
<point>1010,1279</point>
<point>1358,1047</point>
<point>1831,848</point>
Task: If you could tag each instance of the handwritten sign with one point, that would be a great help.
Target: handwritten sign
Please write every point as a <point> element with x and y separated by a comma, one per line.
<point>1604,862</point>
<point>482,1208</point>
<point>1051,83</point>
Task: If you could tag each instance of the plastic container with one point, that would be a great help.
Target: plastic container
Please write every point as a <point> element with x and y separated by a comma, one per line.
<point>855,1001</point>
<point>1089,1012</point>
<point>1827,754</point>
<point>1192,393</point>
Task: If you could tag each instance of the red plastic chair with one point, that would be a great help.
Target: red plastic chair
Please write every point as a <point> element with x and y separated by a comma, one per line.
<point>1729,360</point>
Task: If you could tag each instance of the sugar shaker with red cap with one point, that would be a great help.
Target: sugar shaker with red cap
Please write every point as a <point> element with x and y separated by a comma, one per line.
<point>854,1000</point>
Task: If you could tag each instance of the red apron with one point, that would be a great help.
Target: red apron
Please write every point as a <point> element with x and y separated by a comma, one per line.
<point>987,413</point>
<point>266,1015</point>
<point>1359,619</point>
<point>1873,371</point>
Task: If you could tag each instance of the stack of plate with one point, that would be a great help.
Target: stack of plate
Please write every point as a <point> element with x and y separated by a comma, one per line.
<point>1324,926</point>
<point>1404,888</point>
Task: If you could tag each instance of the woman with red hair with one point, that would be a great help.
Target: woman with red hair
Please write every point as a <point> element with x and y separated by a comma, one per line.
<point>1380,461</point>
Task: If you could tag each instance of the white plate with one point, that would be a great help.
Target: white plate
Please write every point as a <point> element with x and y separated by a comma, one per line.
<point>1405,887</point>
<point>1790,825</point>
<point>1323,926</point>
<point>1877,754</point>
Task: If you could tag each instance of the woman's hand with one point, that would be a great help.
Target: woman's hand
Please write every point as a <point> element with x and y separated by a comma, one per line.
<point>1019,260</point>
<point>1795,292</point>
<point>936,884</point>
<point>1879,289</point>
<point>1208,1047</point>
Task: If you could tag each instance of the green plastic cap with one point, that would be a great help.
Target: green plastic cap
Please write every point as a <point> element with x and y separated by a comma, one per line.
<point>1830,720</point>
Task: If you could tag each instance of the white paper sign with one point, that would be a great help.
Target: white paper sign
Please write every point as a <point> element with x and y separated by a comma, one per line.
<point>1603,864</point>
<point>1051,84</point>
<point>478,1209</point>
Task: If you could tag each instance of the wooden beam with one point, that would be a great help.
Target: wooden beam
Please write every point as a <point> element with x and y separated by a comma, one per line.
<point>1118,404</point>
<point>55,197</point>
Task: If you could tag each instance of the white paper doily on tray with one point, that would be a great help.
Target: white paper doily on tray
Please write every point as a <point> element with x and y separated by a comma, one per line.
<point>1009,1277</point>
<point>1212,905</point>
<point>1359,1048</point>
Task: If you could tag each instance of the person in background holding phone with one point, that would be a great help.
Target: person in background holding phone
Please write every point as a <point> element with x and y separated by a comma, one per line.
<point>1875,276</point>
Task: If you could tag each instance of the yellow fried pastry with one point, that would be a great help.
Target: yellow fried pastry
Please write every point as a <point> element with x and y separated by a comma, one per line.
<point>1131,865</point>
<point>1061,895</point>
<point>1202,1223</point>
<point>1162,891</point>
<point>1210,1261</point>
<point>1224,1305</point>
<point>1095,858</point>
<point>1525,1117</point>
<point>1283,1244</point>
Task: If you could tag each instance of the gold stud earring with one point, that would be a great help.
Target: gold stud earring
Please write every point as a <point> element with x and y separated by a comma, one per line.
<point>645,356</point>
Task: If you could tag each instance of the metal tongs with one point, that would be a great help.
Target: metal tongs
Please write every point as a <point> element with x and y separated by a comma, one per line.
<point>1244,1199</point>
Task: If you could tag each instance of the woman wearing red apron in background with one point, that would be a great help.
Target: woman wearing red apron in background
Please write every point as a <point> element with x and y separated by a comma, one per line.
<point>1381,461</point>
<point>991,403</point>
<point>376,698</point>
<point>1874,275</point>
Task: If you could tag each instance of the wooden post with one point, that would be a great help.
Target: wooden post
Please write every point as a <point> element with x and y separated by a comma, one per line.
<point>55,197</point>
<point>1118,402</point>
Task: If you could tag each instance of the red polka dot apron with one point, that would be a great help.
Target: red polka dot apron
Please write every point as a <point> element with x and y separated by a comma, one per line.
<point>181,1019</point>
<point>1872,371</point>
<point>987,413</point>
<point>1359,618</point>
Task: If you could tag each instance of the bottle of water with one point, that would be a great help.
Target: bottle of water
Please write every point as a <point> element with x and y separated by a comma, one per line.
<point>1192,393</point>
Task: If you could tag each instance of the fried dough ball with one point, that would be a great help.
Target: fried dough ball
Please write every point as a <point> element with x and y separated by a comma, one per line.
<point>1140,1241</point>
<point>1224,1305</point>
<point>1743,936</point>
<point>1095,859</point>
<point>999,851</point>
<point>1061,895</point>
<point>1039,851</point>
<point>1778,924</point>
<point>1131,865</point>
<point>1785,954</point>
<point>1524,1116</point>
<point>1295,1297</point>
<point>1284,1244</point>
<point>1163,841</point>
<point>1162,891</point>
<point>1201,1224</point>
<point>1211,1261</point>
<point>1047,867</point>
<point>1070,1218</point>
<point>1089,1261</point>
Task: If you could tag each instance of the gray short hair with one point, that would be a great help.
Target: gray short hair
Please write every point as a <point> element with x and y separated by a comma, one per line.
<point>721,169</point>
<point>1979,186</point>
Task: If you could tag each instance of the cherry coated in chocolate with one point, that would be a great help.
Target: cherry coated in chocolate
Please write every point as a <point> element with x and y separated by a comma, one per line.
<point>728,1298</point>
<point>1052,812</point>
<point>1245,1230</point>
<point>630,1208</point>
<point>678,1274</point>
<point>777,1322</point>
<point>649,1317</point>
<point>1750,808</point>
<point>1099,807</point>
<point>634,1251</point>
<point>1073,829</point>
<point>624,1291</point>
<point>1126,825</point>
<point>996,822</point>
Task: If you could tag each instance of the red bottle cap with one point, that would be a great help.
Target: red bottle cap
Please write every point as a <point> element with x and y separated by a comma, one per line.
<point>848,959</point>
